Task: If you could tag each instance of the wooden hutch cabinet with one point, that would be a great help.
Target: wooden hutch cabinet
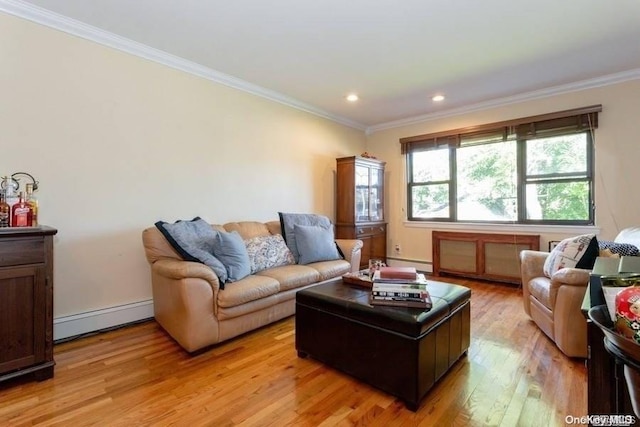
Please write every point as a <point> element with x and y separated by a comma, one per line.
<point>26,302</point>
<point>360,205</point>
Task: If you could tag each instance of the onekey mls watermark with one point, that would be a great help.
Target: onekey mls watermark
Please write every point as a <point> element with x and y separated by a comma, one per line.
<point>601,420</point>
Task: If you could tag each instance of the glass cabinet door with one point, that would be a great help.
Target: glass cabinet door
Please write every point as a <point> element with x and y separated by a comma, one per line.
<point>369,194</point>
<point>376,208</point>
<point>362,193</point>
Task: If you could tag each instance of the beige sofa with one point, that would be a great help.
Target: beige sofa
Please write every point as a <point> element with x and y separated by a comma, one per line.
<point>190,305</point>
<point>554,303</point>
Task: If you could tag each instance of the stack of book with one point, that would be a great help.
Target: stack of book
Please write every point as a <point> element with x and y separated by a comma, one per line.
<point>401,287</point>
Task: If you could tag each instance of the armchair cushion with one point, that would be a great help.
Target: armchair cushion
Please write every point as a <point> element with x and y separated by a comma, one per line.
<point>543,290</point>
<point>579,252</point>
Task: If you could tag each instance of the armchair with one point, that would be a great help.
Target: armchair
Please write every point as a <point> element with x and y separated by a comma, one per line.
<point>554,303</point>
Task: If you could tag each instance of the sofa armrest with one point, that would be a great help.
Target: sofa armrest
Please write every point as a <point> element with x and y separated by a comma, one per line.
<point>185,298</point>
<point>571,276</point>
<point>569,324</point>
<point>178,269</point>
<point>351,248</point>
<point>568,287</point>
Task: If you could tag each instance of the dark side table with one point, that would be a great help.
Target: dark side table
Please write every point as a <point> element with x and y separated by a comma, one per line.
<point>607,392</point>
<point>26,302</point>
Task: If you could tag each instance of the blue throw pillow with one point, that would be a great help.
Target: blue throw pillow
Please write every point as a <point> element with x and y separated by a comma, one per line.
<point>194,240</point>
<point>315,244</point>
<point>289,220</point>
<point>230,249</point>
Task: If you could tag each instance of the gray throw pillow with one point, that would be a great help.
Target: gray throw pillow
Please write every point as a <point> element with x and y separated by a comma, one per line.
<point>289,220</point>
<point>194,241</point>
<point>315,244</point>
<point>231,250</point>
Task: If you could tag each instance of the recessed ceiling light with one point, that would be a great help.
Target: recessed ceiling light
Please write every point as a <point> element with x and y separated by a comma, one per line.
<point>352,97</point>
<point>438,98</point>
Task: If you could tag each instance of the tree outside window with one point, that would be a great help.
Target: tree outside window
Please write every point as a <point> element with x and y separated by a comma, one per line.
<point>523,172</point>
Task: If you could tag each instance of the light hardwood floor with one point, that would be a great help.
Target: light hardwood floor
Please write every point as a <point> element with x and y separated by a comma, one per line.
<point>137,376</point>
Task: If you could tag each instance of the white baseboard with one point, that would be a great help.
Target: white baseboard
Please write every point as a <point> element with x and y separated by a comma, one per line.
<point>91,321</point>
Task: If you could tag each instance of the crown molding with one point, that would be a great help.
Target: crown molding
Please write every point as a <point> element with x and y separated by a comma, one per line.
<point>500,102</point>
<point>71,26</point>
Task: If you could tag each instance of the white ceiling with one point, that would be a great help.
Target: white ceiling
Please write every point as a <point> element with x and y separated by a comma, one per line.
<point>394,54</point>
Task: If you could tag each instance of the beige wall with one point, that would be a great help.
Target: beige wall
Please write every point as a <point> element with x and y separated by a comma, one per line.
<point>617,169</point>
<point>118,142</point>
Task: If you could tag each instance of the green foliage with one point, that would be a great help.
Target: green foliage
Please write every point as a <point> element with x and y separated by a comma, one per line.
<point>487,180</point>
<point>487,176</point>
<point>556,160</point>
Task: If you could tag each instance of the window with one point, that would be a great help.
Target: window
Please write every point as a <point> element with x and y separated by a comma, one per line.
<point>536,170</point>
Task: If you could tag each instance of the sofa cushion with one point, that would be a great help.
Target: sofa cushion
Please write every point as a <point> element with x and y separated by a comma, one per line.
<point>251,288</point>
<point>541,289</point>
<point>330,269</point>
<point>229,248</point>
<point>289,220</point>
<point>248,229</point>
<point>579,252</point>
<point>292,276</point>
<point>194,241</point>
<point>315,243</point>
<point>268,252</point>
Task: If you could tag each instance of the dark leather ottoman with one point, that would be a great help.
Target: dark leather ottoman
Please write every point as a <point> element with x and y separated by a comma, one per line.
<point>402,351</point>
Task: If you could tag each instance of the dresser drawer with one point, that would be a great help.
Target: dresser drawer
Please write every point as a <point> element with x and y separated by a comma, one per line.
<point>22,251</point>
<point>369,230</point>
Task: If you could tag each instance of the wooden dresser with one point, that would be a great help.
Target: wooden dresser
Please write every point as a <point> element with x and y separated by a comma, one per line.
<point>26,302</point>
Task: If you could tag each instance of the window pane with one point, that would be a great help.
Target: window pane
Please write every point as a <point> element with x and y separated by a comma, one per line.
<point>487,182</point>
<point>432,165</point>
<point>558,201</point>
<point>430,201</point>
<point>557,155</point>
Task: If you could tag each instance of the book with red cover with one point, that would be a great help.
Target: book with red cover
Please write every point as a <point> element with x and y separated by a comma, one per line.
<point>408,273</point>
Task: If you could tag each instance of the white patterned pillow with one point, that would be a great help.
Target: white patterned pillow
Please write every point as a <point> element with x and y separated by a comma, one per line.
<point>579,252</point>
<point>267,252</point>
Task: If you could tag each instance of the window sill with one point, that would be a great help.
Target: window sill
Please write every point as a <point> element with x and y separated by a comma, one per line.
<point>502,228</point>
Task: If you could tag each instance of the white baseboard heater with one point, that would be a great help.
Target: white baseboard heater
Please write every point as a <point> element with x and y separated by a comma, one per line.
<point>487,256</point>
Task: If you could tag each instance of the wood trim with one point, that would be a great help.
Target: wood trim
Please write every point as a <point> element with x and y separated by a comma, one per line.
<point>529,241</point>
<point>506,123</point>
